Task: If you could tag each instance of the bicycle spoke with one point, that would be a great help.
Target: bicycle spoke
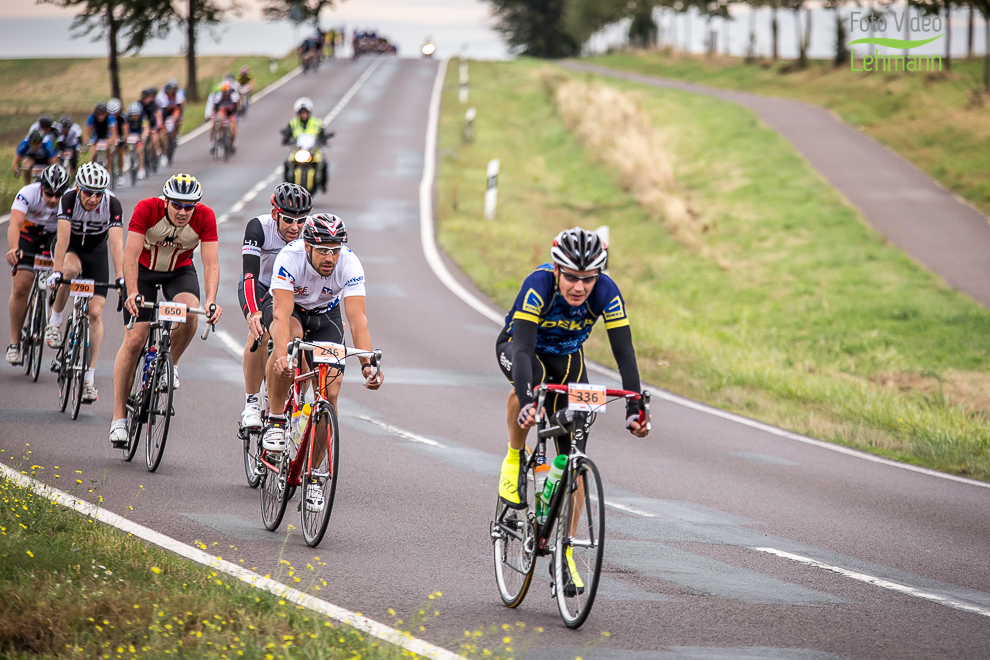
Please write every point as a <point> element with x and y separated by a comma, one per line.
<point>579,545</point>
<point>514,545</point>
<point>320,473</point>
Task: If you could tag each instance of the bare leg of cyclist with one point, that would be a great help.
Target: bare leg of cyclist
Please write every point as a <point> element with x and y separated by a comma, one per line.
<point>320,450</point>
<point>17,307</point>
<point>517,436</point>
<point>253,364</point>
<point>124,366</point>
<point>278,387</point>
<point>183,335</point>
<point>71,267</point>
<point>95,328</point>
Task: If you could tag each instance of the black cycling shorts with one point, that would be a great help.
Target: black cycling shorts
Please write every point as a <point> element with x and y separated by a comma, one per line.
<point>95,264</point>
<point>547,368</point>
<point>173,282</point>
<point>243,299</point>
<point>34,240</point>
<point>324,326</point>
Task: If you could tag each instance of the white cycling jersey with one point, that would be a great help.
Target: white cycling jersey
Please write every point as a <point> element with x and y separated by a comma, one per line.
<point>292,272</point>
<point>261,238</point>
<point>31,202</point>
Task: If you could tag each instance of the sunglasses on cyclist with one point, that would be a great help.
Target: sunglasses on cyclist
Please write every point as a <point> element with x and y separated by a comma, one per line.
<point>574,279</point>
<point>290,220</point>
<point>50,194</point>
<point>326,251</point>
<point>182,207</point>
<point>90,193</point>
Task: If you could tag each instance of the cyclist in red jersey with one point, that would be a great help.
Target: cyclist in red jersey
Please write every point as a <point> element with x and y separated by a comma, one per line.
<point>162,236</point>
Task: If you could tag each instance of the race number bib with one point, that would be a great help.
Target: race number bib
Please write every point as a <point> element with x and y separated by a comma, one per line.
<point>133,138</point>
<point>325,352</point>
<point>82,288</point>
<point>172,311</point>
<point>43,263</point>
<point>586,398</point>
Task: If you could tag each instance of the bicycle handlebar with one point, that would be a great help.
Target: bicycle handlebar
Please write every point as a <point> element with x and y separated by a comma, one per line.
<point>189,310</point>
<point>375,356</point>
<point>643,398</point>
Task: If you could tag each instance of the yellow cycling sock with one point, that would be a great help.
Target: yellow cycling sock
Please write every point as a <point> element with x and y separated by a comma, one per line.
<point>513,457</point>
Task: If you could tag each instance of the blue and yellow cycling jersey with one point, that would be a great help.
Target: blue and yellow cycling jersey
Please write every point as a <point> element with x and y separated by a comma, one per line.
<point>562,329</point>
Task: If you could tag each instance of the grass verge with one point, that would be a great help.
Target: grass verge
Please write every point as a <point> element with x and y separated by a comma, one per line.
<point>815,325</point>
<point>938,121</point>
<point>74,588</point>
<point>59,86</point>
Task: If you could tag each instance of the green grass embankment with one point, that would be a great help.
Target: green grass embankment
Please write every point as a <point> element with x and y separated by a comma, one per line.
<point>71,587</point>
<point>938,121</point>
<point>808,320</point>
<point>74,86</point>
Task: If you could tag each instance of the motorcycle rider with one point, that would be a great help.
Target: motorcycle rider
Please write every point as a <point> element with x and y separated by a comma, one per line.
<point>305,122</point>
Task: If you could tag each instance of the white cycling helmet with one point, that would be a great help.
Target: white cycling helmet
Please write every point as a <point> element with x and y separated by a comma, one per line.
<point>92,177</point>
<point>182,188</point>
<point>135,108</point>
<point>113,106</point>
<point>301,103</point>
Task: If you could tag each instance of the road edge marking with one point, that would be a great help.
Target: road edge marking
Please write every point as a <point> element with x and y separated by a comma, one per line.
<point>439,268</point>
<point>362,623</point>
<point>880,582</point>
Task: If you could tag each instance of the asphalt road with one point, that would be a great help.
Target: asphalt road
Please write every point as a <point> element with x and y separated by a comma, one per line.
<point>689,505</point>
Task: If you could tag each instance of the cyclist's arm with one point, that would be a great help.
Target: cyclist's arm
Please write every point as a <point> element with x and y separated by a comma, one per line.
<point>357,317</point>
<point>254,238</point>
<point>13,233</point>
<point>211,270</point>
<point>132,254</point>
<point>61,243</point>
<point>625,357</point>
<point>524,347</point>
<point>282,304</point>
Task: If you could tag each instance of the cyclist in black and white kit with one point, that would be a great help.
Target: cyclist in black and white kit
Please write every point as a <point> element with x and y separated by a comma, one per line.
<point>33,221</point>
<point>310,278</point>
<point>264,237</point>
<point>89,221</point>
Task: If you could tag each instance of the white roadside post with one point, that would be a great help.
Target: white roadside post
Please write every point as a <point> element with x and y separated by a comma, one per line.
<point>469,124</point>
<point>603,234</point>
<point>462,94</point>
<point>491,194</point>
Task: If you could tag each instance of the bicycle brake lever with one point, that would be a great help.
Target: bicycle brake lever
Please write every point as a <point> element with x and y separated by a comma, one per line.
<point>255,345</point>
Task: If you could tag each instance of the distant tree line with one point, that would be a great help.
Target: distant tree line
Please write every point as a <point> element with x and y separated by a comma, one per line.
<point>560,28</point>
<point>127,25</point>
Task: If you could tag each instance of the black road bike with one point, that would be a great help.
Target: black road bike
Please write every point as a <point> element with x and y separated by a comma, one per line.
<point>33,330</point>
<point>150,401</point>
<point>570,527</point>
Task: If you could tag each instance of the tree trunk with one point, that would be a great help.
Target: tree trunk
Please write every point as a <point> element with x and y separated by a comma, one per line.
<point>802,59</point>
<point>687,30</point>
<point>774,31</point>
<point>969,43</point>
<point>192,86</point>
<point>907,29</point>
<point>113,26</point>
<point>948,37</point>
<point>751,50</point>
<point>986,58</point>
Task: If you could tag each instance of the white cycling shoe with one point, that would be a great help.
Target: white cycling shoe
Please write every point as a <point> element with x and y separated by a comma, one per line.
<point>251,417</point>
<point>118,437</point>
<point>314,497</point>
<point>53,336</point>
<point>175,377</point>
<point>14,355</point>
<point>274,438</point>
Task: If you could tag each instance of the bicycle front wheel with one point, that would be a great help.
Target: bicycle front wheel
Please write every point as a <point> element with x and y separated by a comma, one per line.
<point>159,410</point>
<point>514,544</point>
<point>252,452</point>
<point>38,319</point>
<point>63,362</point>
<point>80,353</point>
<point>136,409</point>
<point>273,494</point>
<point>579,546</point>
<point>320,474</point>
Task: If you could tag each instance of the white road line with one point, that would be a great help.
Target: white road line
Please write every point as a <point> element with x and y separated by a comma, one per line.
<point>408,435</point>
<point>353,90</point>
<point>432,254</point>
<point>257,581</point>
<point>629,509</point>
<point>880,582</point>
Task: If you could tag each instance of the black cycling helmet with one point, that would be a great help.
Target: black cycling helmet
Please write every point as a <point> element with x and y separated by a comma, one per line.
<point>55,179</point>
<point>35,137</point>
<point>292,199</point>
<point>99,108</point>
<point>579,249</point>
<point>65,121</point>
<point>45,121</point>
<point>324,228</point>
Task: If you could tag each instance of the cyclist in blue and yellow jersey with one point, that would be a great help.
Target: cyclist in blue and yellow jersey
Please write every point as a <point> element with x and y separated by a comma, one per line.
<point>543,337</point>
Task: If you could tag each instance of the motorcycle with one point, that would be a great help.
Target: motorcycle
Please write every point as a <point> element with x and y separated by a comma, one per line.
<point>305,165</point>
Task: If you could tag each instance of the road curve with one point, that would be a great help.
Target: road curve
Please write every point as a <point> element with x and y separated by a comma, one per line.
<point>705,518</point>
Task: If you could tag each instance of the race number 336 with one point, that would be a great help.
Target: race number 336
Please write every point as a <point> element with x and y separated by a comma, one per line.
<point>586,398</point>
<point>172,311</point>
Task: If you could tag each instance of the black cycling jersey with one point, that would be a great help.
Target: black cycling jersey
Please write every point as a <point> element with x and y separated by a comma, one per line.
<point>90,228</point>
<point>151,112</point>
<point>135,125</point>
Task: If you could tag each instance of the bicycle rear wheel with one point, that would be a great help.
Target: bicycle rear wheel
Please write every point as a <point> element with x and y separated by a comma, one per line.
<point>514,545</point>
<point>320,475</point>
<point>159,410</point>
<point>64,360</point>
<point>580,544</point>
<point>80,362</point>
<point>273,494</point>
<point>37,334</point>
<point>27,337</point>
<point>252,451</point>
<point>136,410</point>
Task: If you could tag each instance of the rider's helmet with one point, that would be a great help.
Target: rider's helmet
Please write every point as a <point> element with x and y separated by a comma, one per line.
<point>172,85</point>
<point>303,103</point>
<point>135,109</point>
<point>45,122</point>
<point>55,179</point>
<point>579,249</point>
<point>100,108</point>
<point>324,228</point>
<point>151,91</point>
<point>35,138</point>
<point>65,121</point>
<point>182,188</point>
<point>245,70</point>
<point>225,86</point>
<point>292,199</point>
<point>113,106</point>
<point>92,177</point>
